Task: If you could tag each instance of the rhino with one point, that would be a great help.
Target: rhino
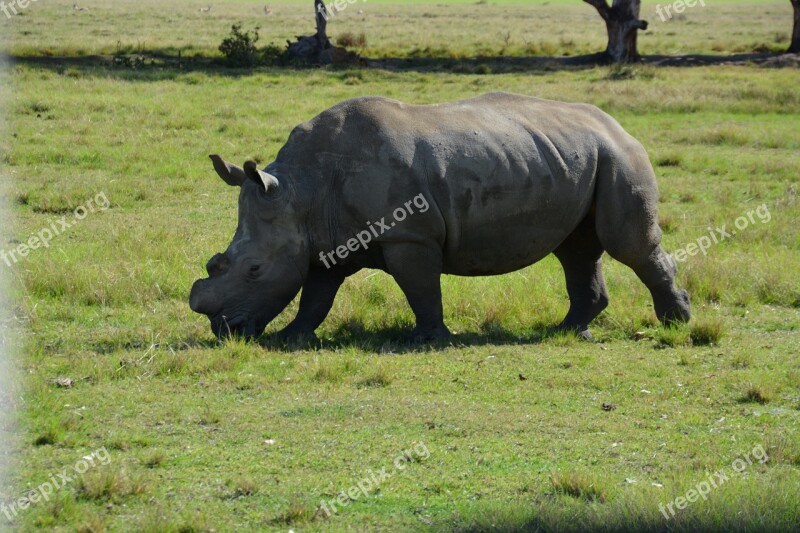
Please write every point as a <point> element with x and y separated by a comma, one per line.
<point>477,187</point>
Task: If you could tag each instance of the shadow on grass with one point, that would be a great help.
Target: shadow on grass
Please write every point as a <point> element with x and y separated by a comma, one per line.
<point>652,526</point>
<point>394,339</point>
<point>353,334</point>
<point>741,512</point>
<point>157,65</point>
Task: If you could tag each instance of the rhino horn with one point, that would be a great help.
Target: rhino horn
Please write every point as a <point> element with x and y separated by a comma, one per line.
<point>262,178</point>
<point>230,174</point>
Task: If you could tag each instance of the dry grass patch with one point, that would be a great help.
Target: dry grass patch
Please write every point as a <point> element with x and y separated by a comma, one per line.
<point>578,485</point>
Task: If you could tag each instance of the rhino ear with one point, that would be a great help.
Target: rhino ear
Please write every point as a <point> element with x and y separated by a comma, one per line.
<point>263,179</point>
<point>230,174</point>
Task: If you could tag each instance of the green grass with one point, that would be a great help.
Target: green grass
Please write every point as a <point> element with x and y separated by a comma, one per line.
<point>205,435</point>
<point>451,29</point>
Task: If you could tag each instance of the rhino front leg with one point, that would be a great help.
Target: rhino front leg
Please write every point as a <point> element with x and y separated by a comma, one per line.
<point>316,301</point>
<point>417,269</point>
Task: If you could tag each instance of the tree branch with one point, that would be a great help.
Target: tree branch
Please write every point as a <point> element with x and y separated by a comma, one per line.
<point>322,22</point>
<point>638,24</point>
<point>601,6</point>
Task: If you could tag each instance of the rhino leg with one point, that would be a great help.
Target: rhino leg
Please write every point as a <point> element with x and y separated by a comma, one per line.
<point>417,269</point>
<point>627,225</point>
<point>658,271</point>
<point>316,300</point>
<point>580,257</point>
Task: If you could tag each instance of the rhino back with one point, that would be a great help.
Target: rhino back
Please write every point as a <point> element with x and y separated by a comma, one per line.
<point>508,177</point>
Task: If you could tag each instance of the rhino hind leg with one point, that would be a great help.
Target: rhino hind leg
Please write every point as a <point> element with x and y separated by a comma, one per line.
<point>657,271</point>
<point>671,303</point>
<point>580,257</point>
<point>417,269</point>
<point>627,225</point>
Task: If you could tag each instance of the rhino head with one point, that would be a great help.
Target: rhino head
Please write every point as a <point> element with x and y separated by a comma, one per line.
<point>263,269</point>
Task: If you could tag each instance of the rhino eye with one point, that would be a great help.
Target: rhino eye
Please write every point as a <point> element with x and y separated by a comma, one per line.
<point>255,268</point>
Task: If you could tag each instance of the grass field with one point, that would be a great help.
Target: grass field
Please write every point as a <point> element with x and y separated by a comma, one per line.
<point>448,29</point>
<point>508,429</point>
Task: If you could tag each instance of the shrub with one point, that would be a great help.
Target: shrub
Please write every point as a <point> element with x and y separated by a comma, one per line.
<point>239,48</point>
<point>352,40</point>
<point>273,55</point>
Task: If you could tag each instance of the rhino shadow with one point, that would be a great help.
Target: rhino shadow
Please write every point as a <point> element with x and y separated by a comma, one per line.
<point>394,339</point>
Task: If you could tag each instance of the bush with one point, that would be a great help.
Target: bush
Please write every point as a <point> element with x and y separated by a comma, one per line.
<point>239,48</point>
<point>273,55</point>
<point>352,40</point>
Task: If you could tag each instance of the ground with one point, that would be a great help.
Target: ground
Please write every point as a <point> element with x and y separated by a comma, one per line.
<point>505,428</point>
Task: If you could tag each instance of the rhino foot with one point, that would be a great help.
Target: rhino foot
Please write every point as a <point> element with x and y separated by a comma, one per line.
<point>671,304</point>
<point>581,332</point>
<point>420,335</point>
<point>297,337</point>
<point>674,307</point>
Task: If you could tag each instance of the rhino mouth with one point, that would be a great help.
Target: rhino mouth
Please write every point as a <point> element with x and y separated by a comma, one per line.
<point>248,318</point>
<point>225,327</point>
<point>239,326</point>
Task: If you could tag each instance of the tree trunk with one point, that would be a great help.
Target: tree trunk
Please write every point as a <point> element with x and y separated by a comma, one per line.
<point>622,23</point>
<point>794,48</point>
<point>311,49</point>
<point>317,49</point>
<point>322,22</point>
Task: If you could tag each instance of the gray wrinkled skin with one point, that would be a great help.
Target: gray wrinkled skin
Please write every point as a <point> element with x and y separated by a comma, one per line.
<point>509,179</point>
